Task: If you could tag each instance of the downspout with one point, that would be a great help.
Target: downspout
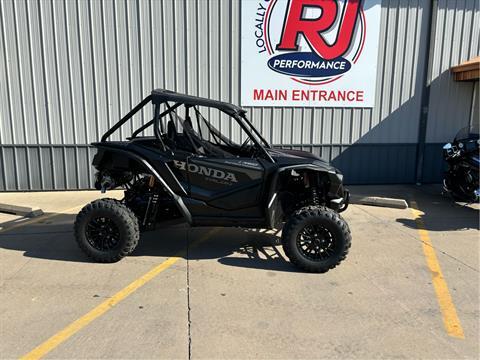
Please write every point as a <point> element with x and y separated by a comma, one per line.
<point>473,112</point>
<point>422,126</point>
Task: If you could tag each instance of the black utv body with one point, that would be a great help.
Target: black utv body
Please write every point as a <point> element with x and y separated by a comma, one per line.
<point>187,170</point>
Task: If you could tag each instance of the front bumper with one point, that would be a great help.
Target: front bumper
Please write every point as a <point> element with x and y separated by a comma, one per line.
<point>340,204</point>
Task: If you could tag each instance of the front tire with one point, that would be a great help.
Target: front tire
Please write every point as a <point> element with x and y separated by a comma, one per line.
<point>316,239</point>
<point>106,230</point>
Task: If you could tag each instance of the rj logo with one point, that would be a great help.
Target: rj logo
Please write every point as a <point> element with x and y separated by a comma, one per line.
<point>296,24</point>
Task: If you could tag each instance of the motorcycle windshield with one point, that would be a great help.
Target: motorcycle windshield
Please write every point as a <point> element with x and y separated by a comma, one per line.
<point>467,133</point>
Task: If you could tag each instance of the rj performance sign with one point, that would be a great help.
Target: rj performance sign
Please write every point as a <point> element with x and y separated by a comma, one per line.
<point>309,52</point>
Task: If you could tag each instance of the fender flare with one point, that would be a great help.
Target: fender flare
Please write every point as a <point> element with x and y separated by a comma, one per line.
<point>139,159</point>
<point>272,201</point>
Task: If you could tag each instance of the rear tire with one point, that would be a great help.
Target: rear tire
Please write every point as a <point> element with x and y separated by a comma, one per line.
<point>106,230</point>
<point>316,239</point>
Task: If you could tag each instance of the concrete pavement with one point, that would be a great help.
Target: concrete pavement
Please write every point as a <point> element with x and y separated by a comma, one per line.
<point>235,295</point>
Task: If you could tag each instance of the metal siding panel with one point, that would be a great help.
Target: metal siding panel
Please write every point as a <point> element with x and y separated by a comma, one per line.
<point>62,62</point>
<point>39,119</point>
<point>416,55</point>
<point>286,126</point>
<point>71,162</point>
<point>83,167</point>
<point>213,44</point>
<point>10,174</point>
<point>23,48</point>
<point>47,167</point>
<point>375,118</point>
<point>121,63</point>
<point>5,112</point>
<point>225,60</point>
<point>474,46</point>
<point>374,163</point>
<point>346,126</point>
<point>433,164</point>
<point>59,168</point>
<point>224,49</point>
<point>455,40</point>
<point>336,126</point>
<point>35,168</point>
<point>191,27</point>
<point>110,81</point>
<point>89,99</point>
<point>156,24</point>
<point>146,52</point>
<point>178,33</point>
<point>134,54</point>
<point>395,117</point>
<point>91,170</point>
<point>389,60</point>
<point>276,126</point>
<point>2,170</point>
<point>85,64</point>
<point>22,174</point>
<point>326,126</point>
<point>307,128</point>
<point>366,116</point>
<point>398,80</point>
<point>51,61</point>
<point>14,76</point>
<point>475,113</point>
<point>75,74</point>
<point>235,52</point>
<point>202,48</point>
<point>356,125</point>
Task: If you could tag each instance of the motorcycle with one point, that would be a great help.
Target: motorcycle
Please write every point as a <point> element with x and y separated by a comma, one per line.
<point>462,166</point>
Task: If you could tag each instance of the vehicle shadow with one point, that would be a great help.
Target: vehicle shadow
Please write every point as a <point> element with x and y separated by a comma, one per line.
<point>440,212</point>
<point>260,252</point>
<point>48,237</point>
<point>248,248</point>
<point>51,238</point>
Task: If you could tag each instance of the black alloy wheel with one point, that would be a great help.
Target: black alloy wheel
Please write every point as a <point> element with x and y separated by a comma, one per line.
<point>316,239</point>
<point>106,230</point>
<point>102,233</point>
<point>316,242</point>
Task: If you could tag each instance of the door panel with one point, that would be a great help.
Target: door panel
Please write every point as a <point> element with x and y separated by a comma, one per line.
<point>224,183</point>
<point>178,158</point>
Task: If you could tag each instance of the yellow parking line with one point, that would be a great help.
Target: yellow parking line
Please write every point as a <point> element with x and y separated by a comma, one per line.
<point>50,344</point>
<point>450,318</point>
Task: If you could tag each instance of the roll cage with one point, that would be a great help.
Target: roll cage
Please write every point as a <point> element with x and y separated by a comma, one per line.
<point>165,97</point>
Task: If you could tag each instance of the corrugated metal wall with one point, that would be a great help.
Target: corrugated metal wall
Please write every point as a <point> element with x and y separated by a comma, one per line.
<point>69,70</point>
<point>455,39</point>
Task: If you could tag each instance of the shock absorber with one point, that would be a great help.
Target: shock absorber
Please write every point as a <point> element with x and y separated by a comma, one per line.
<point>314,195</point>
<point>315,201</point>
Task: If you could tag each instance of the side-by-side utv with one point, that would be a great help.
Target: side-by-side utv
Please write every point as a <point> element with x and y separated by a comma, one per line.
<point>215,170</point>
